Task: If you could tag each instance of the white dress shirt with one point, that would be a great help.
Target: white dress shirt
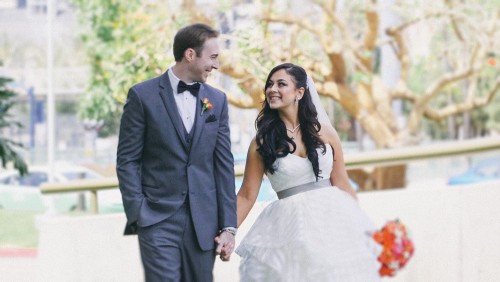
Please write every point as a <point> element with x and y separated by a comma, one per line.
<point>186,102</point>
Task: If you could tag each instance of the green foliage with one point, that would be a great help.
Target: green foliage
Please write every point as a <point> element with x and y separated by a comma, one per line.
<point>493,122</point>
<point>18,229</point>
<point>126,43</point>
<point>65,107</point>
<point>7,147</point>
<point>344,123</point>
<point>484,85</point>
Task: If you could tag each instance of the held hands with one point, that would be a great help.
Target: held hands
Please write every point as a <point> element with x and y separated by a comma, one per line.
<point>225,245</point>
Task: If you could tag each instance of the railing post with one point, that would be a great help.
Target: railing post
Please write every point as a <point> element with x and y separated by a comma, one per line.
<point>93,202</point>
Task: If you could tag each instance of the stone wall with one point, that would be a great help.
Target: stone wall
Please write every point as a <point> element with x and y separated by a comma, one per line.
<point>456,231</point>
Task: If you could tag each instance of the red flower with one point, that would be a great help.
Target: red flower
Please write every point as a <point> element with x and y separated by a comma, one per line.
<point>492,61</point>
<point>397,247</point>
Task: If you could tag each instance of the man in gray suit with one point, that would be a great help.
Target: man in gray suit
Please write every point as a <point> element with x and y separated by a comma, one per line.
<point>175,167</point>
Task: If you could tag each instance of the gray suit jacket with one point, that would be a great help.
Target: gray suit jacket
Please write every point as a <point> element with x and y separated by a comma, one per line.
<point>157,168</point>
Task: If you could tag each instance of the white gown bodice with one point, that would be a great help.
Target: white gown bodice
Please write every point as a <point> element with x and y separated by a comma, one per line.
<point>292,170</point>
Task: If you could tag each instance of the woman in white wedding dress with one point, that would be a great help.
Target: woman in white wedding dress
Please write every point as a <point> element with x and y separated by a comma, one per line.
<point>316,231</point>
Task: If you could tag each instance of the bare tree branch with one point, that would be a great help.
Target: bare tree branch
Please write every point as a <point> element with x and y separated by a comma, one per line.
<point>448,78</point>
<point>494,90</point>
<point>401,52</point>
<point>371,32</point>
<point>453,21</point>
<point>403,93</point>
<point>414,21</point>
<point>241,103</point>
<point>338,72</point>
<point>463,107</point>
<point>330,14</point>
<point>362,62</point>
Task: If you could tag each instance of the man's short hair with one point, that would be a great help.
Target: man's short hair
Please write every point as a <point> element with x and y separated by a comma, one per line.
<point>192,36</point>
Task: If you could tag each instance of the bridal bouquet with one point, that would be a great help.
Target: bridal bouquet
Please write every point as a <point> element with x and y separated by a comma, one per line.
<point>397,247</point>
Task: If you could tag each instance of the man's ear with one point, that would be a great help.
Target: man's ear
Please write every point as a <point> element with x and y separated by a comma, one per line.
<point>189,54</point>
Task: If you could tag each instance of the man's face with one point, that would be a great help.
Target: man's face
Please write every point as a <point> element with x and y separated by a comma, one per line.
<point>204,63</point>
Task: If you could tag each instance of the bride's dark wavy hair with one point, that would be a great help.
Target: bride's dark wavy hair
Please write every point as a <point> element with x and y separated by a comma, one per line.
<point>273,141</point>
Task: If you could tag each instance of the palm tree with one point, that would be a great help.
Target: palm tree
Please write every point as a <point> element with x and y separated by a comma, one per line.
<point>8,147</point>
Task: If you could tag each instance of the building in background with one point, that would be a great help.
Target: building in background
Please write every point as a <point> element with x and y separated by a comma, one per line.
<point>23,57</point>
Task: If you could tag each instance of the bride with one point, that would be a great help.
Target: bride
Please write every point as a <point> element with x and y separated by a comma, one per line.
<point>316,231</point>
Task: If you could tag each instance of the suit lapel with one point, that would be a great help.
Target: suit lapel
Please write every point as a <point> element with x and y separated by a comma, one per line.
<point>169,102</point>
<point>200,118</point>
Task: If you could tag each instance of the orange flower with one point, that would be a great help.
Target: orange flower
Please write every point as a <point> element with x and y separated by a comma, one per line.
<point>397,247</point>
<point>205,105</point>
<point>492,61</point>
<point>386,271</point>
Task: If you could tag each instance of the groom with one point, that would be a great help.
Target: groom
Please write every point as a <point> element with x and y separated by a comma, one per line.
<point>175,167</point>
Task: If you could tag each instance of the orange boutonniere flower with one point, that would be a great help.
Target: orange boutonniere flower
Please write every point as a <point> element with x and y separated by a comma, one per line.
<point>205,105</point>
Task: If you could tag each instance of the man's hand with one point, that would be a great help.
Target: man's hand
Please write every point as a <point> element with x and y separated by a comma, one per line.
<point>225,245</point>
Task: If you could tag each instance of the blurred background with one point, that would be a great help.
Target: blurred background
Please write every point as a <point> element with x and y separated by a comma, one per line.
<point>411,87</point>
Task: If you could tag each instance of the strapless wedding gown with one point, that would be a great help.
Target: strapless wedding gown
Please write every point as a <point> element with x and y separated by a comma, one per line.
<point>318,235</point>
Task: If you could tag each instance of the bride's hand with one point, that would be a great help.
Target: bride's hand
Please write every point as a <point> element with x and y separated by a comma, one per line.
<point>225,245</point>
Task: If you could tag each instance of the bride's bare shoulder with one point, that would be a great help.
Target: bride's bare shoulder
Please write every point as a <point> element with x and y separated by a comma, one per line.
<point>253,147</point>
<point>327,131</point>
<point>253,143</point>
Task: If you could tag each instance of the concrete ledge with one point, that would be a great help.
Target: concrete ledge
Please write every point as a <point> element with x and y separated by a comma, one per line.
<point>456,231</point>
<point>87,248</point>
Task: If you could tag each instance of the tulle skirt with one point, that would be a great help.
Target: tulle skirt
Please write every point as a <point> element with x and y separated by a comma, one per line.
<point>319,235</point>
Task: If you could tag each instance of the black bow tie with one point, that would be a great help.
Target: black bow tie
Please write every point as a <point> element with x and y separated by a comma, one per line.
<point>193,88</point>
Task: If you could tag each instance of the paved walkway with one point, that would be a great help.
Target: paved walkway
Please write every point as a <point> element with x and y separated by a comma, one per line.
<point>18,268</point>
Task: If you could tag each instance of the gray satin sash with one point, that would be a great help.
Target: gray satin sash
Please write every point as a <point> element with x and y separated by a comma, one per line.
<point>303,188</point>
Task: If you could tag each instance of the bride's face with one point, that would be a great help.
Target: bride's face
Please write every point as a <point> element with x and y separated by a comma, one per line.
<point>281,90</point>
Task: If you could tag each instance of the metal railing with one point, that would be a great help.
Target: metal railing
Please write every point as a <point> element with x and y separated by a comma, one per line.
<point>91,185</point>
<point>421,152</point>
<point>353,160</point>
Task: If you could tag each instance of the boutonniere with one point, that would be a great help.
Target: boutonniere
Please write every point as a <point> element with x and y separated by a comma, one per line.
<point>205,105</point>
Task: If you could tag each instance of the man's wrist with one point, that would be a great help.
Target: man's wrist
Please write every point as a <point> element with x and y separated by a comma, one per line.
<point>232,230</point>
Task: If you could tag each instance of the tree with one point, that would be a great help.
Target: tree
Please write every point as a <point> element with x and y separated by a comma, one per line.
<point>443,50</point>
<point>338,42</point>
<point>8,147</point>
<point>125,43</point>
<point>340,46</point>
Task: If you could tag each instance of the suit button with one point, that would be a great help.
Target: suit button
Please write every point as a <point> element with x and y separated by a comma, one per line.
<point>183,193</point>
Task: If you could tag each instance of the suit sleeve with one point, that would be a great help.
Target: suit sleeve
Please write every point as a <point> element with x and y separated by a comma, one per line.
<point>224,172</point>
<point>128,163</point>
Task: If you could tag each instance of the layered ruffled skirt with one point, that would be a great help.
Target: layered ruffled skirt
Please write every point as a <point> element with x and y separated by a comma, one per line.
<point>319,235</point>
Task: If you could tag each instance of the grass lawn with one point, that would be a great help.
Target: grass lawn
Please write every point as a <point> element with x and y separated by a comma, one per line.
<point>20,207</point>
<point>17,229</point>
